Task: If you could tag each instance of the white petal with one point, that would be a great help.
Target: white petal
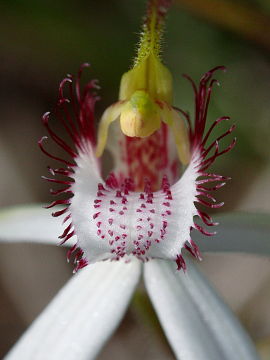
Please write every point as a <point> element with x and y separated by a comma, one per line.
<point>239,232</point>
<point>77,323</point>
<point>196,321</point>
<point>155,225</point>
<point>29,223</point>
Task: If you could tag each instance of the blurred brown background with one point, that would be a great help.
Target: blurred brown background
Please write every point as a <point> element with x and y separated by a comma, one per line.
<point>41,41</point>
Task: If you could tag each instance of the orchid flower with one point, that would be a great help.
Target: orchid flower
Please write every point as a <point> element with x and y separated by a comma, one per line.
<point>137,219</point>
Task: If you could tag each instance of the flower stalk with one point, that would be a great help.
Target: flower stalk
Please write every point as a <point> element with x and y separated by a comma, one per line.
<point>146,91</point>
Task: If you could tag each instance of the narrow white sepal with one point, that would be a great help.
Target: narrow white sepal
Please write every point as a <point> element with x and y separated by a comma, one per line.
<point>196,322</point>
<point>80,319</point>
<point>30,223</point>
<point>238,232</point>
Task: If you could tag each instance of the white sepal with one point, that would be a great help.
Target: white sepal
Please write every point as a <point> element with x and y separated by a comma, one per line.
<point>239,232</point>
<point>80,319</point>
<point>196,322</point>
<point>29,223</point>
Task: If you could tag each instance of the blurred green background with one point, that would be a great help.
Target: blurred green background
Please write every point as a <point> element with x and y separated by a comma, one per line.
<point>41,41</point>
